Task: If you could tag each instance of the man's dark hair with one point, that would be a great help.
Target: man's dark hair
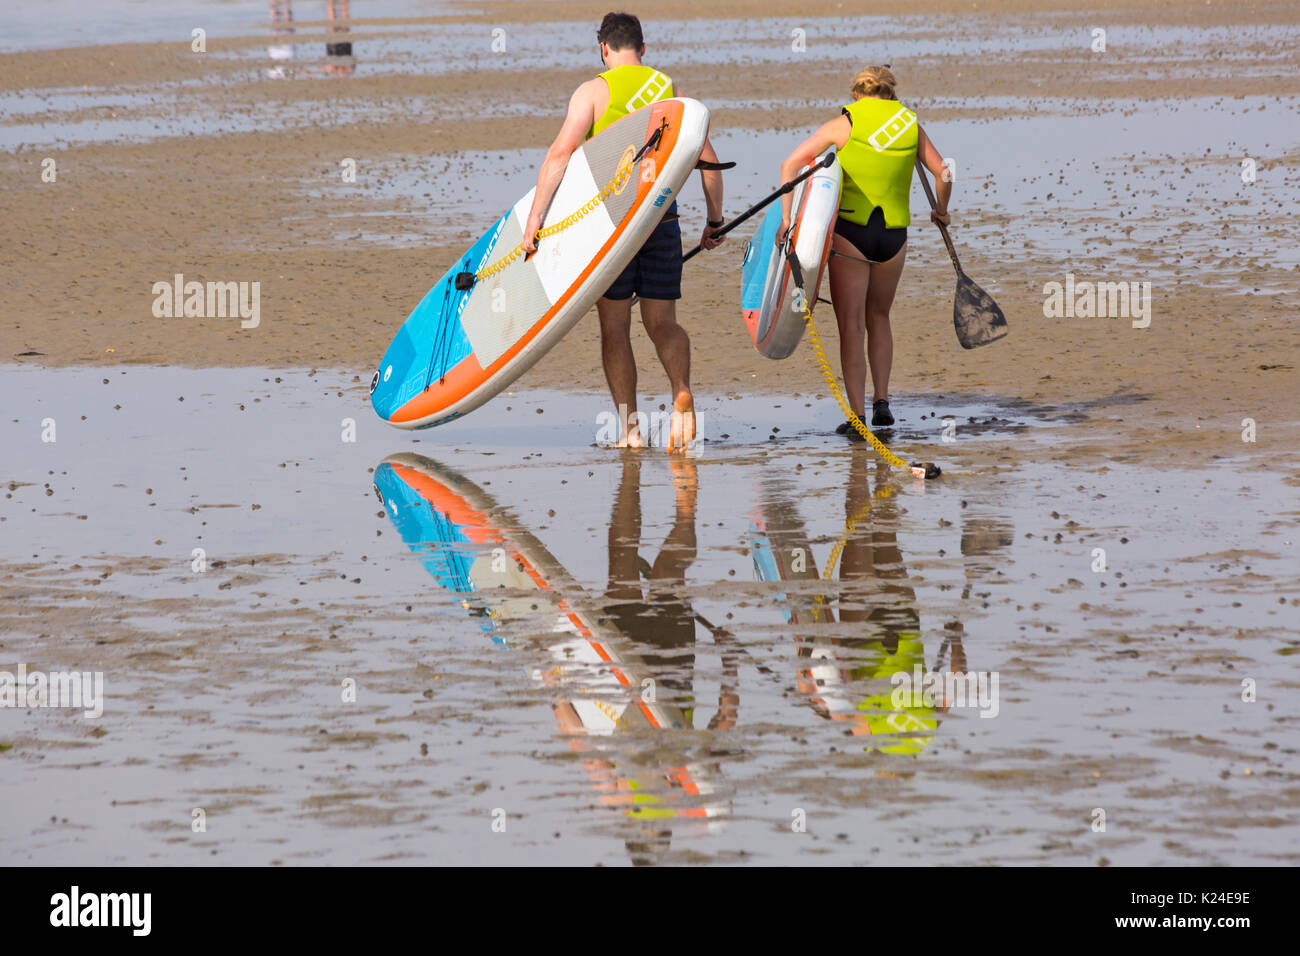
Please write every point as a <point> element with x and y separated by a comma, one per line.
<point>620,31</point>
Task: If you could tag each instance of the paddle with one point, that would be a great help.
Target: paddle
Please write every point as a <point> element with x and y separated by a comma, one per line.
<point>975,315</point>
<point>758,206</point>
<point>764,203</point>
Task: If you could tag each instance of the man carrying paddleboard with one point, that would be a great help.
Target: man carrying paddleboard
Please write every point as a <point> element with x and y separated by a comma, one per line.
<point>655,274</point>
<point>878,140</point>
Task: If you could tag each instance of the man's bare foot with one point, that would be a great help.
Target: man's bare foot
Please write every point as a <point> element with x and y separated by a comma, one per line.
<point>682,429</point>
<point>630,434</point>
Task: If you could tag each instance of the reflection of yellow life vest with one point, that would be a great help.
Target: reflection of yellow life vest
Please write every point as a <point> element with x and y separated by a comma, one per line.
<point>630,88</point>
<point>877,161</point>
<point>910,729</point>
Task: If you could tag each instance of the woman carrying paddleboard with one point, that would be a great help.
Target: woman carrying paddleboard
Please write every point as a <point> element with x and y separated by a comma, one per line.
<point>878,140</point>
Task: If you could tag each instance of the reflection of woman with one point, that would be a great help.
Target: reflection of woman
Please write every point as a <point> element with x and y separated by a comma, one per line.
<point>876,592</point>
<point>878,141</point>
<point>875,595</point>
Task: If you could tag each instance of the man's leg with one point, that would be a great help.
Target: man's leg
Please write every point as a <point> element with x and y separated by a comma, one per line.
<point>620,365</point>
<point>674,347</point>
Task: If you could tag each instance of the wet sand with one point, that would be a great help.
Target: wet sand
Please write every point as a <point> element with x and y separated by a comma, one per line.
<point>1120,689</point>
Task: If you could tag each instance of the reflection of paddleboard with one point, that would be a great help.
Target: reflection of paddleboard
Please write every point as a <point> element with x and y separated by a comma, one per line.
<point>774,319</point>
<point>473,547</point>
<point>463,345</point>
<point>468,549</point>
<point>782,552</point>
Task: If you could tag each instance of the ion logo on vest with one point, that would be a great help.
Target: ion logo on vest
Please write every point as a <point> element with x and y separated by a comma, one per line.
<point>650,91</point>
<point>894,127</point>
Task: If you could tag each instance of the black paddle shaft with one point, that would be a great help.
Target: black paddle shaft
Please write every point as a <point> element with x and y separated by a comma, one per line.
<point>929,194</point>
<point>829,158</point>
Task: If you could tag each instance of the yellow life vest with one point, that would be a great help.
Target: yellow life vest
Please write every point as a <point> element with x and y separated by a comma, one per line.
<point>877,161</point>
<point>630,88</point>
<point>905,730</point>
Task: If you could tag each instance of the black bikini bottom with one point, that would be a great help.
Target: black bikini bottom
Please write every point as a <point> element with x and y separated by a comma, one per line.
<point>873,241</point>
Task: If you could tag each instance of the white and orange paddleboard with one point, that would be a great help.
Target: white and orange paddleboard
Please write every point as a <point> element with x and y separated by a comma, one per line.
<point>773,316</point>
<point>492,316</point>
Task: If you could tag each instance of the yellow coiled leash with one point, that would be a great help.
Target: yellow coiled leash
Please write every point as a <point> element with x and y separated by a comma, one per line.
<point>833,558</point>
<point>923,469</point>
<point>820,601</point>
<point>620,180</point>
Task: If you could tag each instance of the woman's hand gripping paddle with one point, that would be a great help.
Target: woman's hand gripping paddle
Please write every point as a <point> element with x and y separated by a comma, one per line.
<point>975,315</point>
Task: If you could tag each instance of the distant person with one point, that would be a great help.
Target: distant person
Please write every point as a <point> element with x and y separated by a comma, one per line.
<point>878,141</point>
<point>338,53</point>
<point>655,274</point>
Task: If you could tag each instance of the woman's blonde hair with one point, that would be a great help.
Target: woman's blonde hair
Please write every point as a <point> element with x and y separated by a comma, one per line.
<point>877,81</point>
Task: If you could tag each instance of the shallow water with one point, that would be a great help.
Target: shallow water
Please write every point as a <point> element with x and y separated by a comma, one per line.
<point>63,23</point>
<point>431,45</point>
<point>1118,689</point>
<point>1126,202</point>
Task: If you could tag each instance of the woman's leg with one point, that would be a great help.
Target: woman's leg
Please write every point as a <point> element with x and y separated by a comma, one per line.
<point>849,293</point>
<point>880,338</point>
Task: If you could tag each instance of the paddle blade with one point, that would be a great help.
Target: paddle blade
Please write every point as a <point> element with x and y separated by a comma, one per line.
<point>975,315</point>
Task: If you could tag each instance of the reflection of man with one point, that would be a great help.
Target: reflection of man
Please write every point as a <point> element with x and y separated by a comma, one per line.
<point>659,619</point>
<point>658,622</point>
<point>622,691</point>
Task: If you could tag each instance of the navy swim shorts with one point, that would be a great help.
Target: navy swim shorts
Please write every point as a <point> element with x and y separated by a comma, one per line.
<point>655,272</point>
